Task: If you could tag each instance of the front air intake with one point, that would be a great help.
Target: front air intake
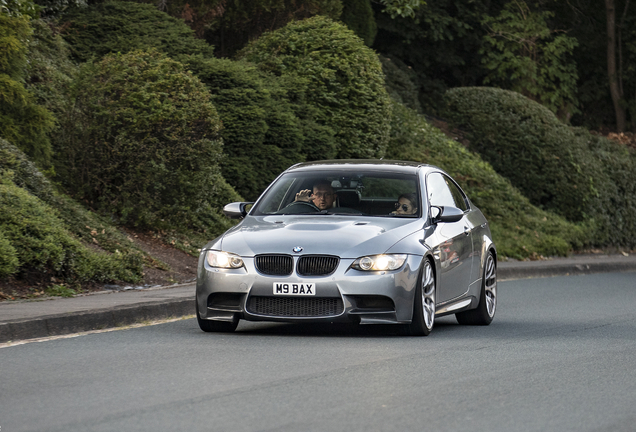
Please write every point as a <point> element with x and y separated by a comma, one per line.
<point>295,306</point>
<point>275,265</point>
<point>317,265</point>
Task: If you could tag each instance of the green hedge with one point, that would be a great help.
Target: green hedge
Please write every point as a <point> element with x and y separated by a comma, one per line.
<point>615,216</point>
<point>120,26</point>
<point>520,229</point>
<point>527,144</point>
<point>42,244</point>
<point>559,168</point>
<point>261,133</point>
<point>141,141</point>
<point>401,82</point>
<point>57,222</point>
<point>343,80</point>
<point>50,70</point>
<point>9,262</point>
<point>358,16</point>
<point>82,223</point>
<point>22,120</point>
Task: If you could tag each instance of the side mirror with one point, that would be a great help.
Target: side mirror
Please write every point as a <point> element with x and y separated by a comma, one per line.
<point>236,210</point>
<point>446,214</point>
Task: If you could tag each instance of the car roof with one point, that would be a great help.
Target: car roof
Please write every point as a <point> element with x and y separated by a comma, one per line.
<point>363,164</point>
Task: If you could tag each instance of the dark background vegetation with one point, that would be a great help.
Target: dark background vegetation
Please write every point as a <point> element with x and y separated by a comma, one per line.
<point>129,120</point>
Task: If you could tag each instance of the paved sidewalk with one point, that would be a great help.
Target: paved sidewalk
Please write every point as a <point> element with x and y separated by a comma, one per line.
<point>20,320</point>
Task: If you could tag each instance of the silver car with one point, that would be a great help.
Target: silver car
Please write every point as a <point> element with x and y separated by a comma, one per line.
<point>365,241</point>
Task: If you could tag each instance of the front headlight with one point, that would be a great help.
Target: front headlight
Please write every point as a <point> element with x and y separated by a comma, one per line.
<point>223,259</point>
<point>379,262</point>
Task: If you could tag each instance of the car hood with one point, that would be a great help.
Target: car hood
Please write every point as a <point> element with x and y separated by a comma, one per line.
<point>345,236</point>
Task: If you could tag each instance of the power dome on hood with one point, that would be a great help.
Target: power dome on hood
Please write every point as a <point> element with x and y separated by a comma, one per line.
<point>333,235</point>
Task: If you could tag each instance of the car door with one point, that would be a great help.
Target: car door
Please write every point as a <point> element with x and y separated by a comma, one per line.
<point>456,248</point>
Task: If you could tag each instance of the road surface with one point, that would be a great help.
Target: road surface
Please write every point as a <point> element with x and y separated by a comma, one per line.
<point>559,356</point>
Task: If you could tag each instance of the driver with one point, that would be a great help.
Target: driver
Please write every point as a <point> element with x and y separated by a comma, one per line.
<point>322,197</point>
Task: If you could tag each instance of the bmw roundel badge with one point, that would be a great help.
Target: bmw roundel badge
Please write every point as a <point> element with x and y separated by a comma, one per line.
<point>297,249</point>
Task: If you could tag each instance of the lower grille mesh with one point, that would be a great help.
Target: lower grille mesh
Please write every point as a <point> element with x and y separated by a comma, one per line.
<point>295,306</point>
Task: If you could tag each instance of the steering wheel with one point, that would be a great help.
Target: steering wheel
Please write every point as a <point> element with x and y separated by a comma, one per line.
<point>303,203</point>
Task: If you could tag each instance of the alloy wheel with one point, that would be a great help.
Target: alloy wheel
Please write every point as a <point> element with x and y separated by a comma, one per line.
<point>428,295</point>
<point>490,285</point>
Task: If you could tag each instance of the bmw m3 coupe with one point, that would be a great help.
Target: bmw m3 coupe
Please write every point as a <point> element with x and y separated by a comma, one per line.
<point>365,241</point>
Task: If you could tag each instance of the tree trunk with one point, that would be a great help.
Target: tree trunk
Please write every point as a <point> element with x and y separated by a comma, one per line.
<point>611,65</point>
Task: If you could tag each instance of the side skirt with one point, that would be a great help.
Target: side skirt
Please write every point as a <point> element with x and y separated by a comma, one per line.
<point>457,305</point>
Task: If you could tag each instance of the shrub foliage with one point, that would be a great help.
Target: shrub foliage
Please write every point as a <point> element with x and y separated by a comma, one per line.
<point>520,229</point>
<point>559,168</point>
<point>527,144</point>
<point>261,133</point>
<point>140,140</point>
<point>36,237</point>
<point>50,70</point>
<point>121,26</point>
<point>358,16</point>
<point>22,121</point>
<point>343,80</point>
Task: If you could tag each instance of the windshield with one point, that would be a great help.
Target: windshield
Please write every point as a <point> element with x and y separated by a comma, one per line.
<point>382,194</point>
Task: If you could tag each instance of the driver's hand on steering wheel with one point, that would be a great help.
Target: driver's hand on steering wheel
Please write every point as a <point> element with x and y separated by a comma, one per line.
<point>304,195</point>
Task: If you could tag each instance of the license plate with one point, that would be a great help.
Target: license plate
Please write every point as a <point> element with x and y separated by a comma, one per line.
<point>294,289</point>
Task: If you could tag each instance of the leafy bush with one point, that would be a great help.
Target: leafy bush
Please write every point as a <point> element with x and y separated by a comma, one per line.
<point>230,25</point>
<point>567,170</point>
<point>22,121</point>
<point>343,80</point>
<point>121,26</point>
<point>14,32</point>
<point>141,141</point>
<point>42,243</point>
<point>524,55</point>
<point>18,8</point>
<point>57,217</point>
<point>261,133</point>
<point>401,82</point>
<point>520,229</point>
<point>358,16</point>
<point>60,291</point>
<point>55,7</point>
<point>527,144</point>
<point>615,215</point>
<point>9,262</point>
<point>49,71</point>
<point>82,223</point>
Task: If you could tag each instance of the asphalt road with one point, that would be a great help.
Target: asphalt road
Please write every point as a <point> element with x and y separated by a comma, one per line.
<point>559,356</point>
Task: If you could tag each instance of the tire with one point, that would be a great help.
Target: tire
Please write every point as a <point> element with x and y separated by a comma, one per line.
<point>215,326</point>
<point>423,303</point>
<point>485,311</point>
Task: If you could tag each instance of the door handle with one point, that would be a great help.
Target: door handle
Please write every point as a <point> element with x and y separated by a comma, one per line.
<point>466,230</point>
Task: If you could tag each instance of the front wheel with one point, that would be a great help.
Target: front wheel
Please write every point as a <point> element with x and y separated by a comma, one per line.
<point>485,311</point>
<point>215,326</point>
<point>423,304</point>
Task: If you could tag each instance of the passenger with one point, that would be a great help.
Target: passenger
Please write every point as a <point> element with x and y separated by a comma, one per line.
<point>406,205</point>
<point>322,197</point>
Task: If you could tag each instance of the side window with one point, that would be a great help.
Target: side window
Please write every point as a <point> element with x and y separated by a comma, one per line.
<point>458,196</point>
<point>438,192</point>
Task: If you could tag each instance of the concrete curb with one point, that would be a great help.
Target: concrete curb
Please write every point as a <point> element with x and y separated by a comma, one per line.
<point>98,319</point>
<point>544,269</point>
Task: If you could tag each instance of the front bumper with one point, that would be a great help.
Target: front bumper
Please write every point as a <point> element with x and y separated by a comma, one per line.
<point>347,295</point>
